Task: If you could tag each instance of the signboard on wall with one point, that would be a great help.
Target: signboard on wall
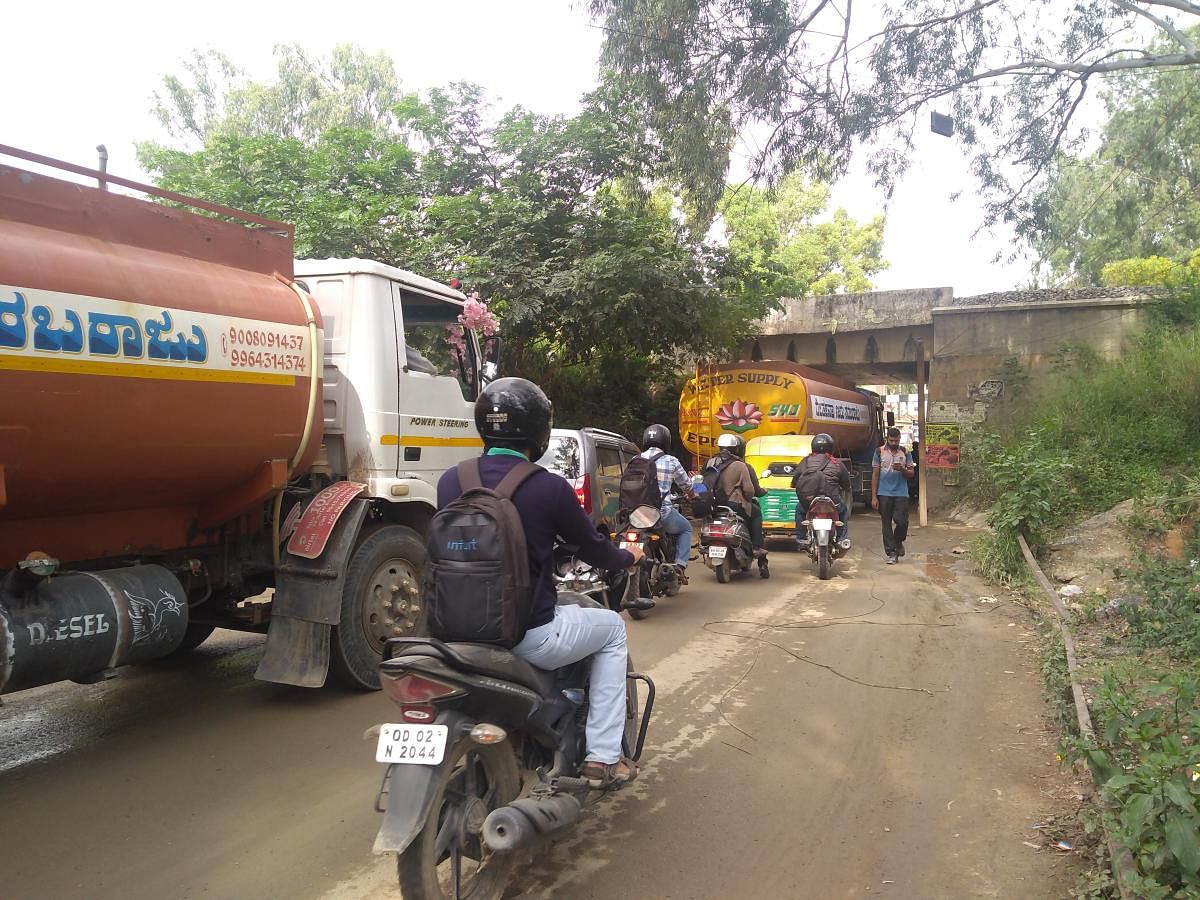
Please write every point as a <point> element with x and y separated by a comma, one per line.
<point>940,449</point>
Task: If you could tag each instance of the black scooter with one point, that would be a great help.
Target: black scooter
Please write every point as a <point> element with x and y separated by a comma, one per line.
<point>725,543</point>
<point>482,760</point>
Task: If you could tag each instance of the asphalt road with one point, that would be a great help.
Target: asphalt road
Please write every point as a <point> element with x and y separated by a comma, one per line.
<point>876,734</point>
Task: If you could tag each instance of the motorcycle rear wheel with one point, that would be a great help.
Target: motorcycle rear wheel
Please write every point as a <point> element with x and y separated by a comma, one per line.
<point>721,570</point>
<point>824,563</point>
<point>474,780</point>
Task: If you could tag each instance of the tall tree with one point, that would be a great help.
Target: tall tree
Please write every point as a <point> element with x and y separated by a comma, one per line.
<point>819,80</point>
<point>779,232</point>
<point>1138,194</point>
<point>309,96</point>
<point>602,288</point>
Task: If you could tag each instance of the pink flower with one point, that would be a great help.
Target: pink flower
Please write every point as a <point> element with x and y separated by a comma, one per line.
<point>455,335</point>
<point>739,416</point>
<point>478,317</point>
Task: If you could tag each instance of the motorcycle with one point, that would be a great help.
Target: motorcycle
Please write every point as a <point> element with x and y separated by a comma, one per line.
<point>725,543</point>
<point>656,575</point>
<point>483,760</point>
<point>822,523</point>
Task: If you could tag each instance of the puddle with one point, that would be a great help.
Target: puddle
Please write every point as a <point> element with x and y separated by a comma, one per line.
<point>939,574</point>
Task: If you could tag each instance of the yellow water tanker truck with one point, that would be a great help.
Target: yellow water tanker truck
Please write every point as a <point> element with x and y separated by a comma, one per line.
<point>769,398</point>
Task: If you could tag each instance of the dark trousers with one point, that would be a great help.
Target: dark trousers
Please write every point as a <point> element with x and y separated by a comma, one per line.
<point>893,510</point>
<point>756,526</point>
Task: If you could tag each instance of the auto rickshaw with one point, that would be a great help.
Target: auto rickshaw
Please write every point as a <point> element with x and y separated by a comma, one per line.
<point>774,459</point>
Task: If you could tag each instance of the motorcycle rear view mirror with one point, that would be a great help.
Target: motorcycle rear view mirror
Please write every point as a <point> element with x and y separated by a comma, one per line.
<point>644,517</point>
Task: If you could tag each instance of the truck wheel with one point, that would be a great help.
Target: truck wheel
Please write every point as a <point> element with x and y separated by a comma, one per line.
<point>382,599</point>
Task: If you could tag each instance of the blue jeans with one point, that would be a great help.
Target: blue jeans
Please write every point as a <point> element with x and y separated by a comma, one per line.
<point>802,514</point>
<point>578,632</point>
<point>675,523</point>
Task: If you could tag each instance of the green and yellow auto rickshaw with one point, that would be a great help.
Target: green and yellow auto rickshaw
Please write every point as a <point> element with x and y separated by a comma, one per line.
<point>774,459</point>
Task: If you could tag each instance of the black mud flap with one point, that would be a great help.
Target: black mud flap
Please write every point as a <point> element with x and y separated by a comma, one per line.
<point>405,798</point>
<point>308,602</point>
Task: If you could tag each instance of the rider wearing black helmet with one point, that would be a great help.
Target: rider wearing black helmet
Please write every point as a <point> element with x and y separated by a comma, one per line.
<point>822,472</point>
<point>514,417</point>
<point>740,484</point>
<point>656,440</point>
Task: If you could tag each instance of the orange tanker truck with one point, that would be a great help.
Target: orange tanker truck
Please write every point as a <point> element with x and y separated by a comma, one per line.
<point>190,420</point>
<point>769,399</point>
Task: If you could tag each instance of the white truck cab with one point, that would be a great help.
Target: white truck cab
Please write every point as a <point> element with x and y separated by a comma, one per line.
<point>400,381</point>
<point>401,376</point>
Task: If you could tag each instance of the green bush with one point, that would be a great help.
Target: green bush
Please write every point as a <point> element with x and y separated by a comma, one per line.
<point>1145,757</point>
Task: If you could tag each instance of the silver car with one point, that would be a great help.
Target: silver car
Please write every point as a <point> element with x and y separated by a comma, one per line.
<point>592,460</point>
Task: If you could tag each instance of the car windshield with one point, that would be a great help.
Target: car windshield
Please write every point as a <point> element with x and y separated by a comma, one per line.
<point>562,457</point>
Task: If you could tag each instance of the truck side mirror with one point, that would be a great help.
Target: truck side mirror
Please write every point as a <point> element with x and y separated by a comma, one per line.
<point>490,349</point>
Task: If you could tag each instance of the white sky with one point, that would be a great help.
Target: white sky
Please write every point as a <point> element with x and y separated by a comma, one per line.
<point>80,74</point>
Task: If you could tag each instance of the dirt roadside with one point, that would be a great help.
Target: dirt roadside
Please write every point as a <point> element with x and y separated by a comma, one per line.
<point>879,734</point>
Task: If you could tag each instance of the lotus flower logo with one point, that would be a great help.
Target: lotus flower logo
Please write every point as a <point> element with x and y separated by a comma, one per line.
<point>739,416</point>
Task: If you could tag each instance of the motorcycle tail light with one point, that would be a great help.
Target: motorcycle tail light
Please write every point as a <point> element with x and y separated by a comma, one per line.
<point>410,689</point>
<point>632,536</point>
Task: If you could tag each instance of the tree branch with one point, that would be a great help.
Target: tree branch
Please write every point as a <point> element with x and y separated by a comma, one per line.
<point>1180,38</point>
<point>1181,5</point>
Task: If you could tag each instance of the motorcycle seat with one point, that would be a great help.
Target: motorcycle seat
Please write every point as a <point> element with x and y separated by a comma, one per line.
<point>485,659</point>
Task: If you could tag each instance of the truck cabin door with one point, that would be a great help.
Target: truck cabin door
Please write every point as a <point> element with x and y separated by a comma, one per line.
<point>438,380</point>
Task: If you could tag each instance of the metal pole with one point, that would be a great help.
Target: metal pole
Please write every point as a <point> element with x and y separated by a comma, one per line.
<point>103,151</point>
<point>922,481</point>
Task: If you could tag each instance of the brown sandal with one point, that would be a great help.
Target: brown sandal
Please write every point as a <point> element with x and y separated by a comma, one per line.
<point>605,776</point>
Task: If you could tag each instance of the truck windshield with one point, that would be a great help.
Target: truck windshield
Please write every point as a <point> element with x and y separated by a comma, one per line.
<point>437,344</point>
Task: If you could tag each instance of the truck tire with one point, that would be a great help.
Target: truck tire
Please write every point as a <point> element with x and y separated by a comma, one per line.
<point>381,599</point>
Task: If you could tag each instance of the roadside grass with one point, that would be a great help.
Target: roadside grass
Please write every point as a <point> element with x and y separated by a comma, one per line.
<point>1102,432</point>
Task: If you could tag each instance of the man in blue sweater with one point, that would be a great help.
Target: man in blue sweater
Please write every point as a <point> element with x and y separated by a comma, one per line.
<point>513,417</point>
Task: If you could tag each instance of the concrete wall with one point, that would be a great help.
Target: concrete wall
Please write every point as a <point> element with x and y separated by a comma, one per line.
<point>971,343</point>
<point>834,313</point>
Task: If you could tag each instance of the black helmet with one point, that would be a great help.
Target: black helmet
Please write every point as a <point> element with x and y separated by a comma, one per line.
<point>657,436</point>
<point>822,443</point>
<point>733,443</point>
<point>514,413</point>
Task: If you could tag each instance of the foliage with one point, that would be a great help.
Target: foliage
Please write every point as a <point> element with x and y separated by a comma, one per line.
<point>1138,193</point>
<point>1145,758</point>
<point>1097,432</point>
<point>603,288</point>
<point>1169,619</point>
<point>349,193</point>
<point>816,83</point>
<point>349,89</point>
<point>776,232</point>
<point>1152,271</point>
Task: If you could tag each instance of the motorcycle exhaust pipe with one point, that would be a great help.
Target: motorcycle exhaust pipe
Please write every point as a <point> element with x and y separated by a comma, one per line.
<point>529,819</point>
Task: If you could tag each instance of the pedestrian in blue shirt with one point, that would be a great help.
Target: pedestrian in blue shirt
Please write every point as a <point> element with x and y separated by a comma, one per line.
<point>891,470</point>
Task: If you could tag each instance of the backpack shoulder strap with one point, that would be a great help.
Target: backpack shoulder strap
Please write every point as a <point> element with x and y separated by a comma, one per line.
<point>515,478</point>
<point>468,475</point>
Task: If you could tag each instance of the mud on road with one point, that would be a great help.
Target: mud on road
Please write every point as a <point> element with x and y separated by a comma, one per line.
<point>880,733</point>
